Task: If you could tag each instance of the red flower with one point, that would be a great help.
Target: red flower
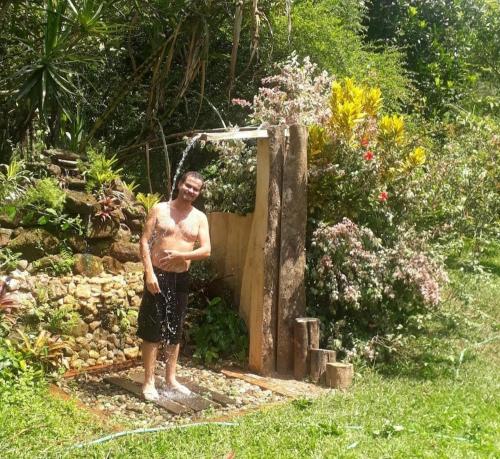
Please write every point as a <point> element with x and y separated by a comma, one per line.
<point>368,155</point>
<point>364,142</point>
<point>383,196</point>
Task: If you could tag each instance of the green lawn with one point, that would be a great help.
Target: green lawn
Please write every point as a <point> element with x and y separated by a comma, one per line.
<point>440,401</point>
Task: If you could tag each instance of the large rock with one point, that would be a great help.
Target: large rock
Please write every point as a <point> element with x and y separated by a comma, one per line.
<point>46,264</point>
<point>134,212</point>
<point>58,153</point>
<point>100,247</point>
<point>77,243</point>
<point>123,234</point>
<point>75,183</point>
<point>112,265</point>
<point>87,265</point>
<point>5,235</point>
<point>80,328</point>
<point>102,229</point>
<point>34,243</point>
<point>132,266</point>
<point>79,203</point>
<point>54,169</point>
<point>125,251</point>
<point>136,226</point>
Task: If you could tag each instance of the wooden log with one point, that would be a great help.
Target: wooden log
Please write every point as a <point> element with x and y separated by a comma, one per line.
<point>292,257</point>
<point>300,339</point>
<point>306,337</point>
<point>319,358</point>
<point>339,375</point>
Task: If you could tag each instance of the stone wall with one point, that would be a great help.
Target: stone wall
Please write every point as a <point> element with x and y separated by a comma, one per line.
<point>105,308</point>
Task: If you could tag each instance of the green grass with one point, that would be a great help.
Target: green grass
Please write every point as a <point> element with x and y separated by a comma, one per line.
<point>439,399</point>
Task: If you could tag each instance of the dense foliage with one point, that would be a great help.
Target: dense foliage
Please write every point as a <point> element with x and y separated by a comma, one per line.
<point>400,98</point>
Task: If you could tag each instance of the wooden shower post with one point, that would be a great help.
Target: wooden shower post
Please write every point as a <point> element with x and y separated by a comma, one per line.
<point>292,296</point>
<point>263,253</point>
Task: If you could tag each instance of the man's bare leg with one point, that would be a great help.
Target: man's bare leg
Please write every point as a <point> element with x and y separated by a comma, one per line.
<point>172,354</point>
<point>149,352</point>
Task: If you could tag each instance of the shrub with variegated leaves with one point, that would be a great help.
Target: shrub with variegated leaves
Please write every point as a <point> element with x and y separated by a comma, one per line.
<point>366,287</point>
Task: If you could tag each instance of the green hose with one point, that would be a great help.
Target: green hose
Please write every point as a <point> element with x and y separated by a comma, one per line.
<point>148,430</point>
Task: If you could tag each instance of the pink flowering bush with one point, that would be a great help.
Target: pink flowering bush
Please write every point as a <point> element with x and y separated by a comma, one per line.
<point>360,287</point>
<point>298,93</point>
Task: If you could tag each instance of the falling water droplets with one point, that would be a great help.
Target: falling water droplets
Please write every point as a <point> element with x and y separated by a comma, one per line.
<point>190,144</point>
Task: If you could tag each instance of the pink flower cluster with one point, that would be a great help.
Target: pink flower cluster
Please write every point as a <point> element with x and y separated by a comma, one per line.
<point>297,94</point>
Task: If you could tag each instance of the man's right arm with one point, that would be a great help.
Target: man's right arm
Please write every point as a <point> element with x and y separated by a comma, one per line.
<point>149,226</point>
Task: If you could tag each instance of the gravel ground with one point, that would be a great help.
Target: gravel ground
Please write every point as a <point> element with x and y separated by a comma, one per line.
<point>123,408</point>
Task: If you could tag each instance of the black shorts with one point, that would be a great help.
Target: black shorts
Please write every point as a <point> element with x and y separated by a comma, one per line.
<point>161,315</point>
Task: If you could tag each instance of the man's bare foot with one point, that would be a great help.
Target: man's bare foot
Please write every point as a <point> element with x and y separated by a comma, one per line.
<point>149,392</point>
<point>177,386</point>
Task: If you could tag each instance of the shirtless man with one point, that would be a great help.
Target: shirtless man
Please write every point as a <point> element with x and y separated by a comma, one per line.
<point>167,248</point>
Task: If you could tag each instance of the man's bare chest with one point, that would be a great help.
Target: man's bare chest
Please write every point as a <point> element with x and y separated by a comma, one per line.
<point>177,227</point>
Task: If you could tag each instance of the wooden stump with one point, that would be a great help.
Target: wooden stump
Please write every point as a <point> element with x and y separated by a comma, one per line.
<point>306,337</point>
<point>319,358</point>
<point>339,375</point>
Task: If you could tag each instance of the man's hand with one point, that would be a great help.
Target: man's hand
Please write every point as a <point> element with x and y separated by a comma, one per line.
<point>173,260</point>
<point>172,255</point>
<point>152,284</point>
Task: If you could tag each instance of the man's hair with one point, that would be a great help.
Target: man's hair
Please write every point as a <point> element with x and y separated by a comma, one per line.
<point>193,174</point>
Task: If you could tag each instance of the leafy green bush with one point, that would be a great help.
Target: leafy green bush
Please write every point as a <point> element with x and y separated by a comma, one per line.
<point>45,194</point>
<point>13,181</point>
<point>61,320</point>
<point>148,200</point>
<point>362,288</point>
<point>335,43</point>
<point>57,265</point>
<point>14,365</point>
<point>8,259</point>
<point>230,181</point>
<point>100,171</point>
<point>219,332</point>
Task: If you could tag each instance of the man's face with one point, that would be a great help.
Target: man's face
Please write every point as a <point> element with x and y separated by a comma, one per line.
<point>190,189</point>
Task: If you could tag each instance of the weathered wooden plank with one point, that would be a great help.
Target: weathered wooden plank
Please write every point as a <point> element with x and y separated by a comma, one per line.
<point>259,381</point>
<point>233,135</point>
<point>193,401</point>
<point>136,389</point>
<point>223,399</point>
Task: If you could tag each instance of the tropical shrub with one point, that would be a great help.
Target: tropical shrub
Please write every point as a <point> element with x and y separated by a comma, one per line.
<point>100,171</point>
<point>56,265</point>
<point>13,181</point>
<point>219,332</point>
<point>363,165</point>
<point>45,194</point>
<point>361,287</point>
<point>148,200</point>
<point>14,365</point>
<point>8,259</point>
<point>335,42</point>
<point>230,181</point>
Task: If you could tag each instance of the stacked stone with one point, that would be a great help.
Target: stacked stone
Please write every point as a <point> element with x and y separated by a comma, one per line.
<point>106,305</point>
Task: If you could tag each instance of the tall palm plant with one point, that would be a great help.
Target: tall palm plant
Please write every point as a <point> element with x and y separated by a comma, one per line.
<point>48,81</point>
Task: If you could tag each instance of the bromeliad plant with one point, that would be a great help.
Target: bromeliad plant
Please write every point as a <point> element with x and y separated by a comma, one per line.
<point>148,200</point>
